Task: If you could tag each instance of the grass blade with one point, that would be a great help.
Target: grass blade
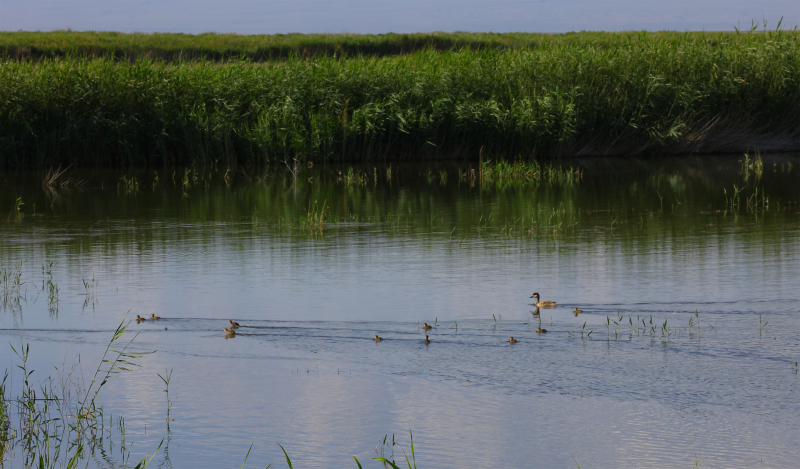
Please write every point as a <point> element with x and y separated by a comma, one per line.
<point>288,461</point>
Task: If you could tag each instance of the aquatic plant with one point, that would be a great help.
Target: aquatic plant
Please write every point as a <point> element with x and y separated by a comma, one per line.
<point>353,177</point>
<point>586,94</point>
<point>167,378</point>
<point>55,427</point>
<point>315,217</point>
<point>129,185</point>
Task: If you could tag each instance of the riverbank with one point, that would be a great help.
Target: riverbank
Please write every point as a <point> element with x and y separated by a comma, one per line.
<point>558,96</point>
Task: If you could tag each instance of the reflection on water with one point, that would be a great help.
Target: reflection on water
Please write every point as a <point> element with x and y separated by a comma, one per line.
<point>686,272</point>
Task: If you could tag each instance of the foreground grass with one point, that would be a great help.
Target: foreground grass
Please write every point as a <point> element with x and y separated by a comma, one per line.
<point>586,94</point>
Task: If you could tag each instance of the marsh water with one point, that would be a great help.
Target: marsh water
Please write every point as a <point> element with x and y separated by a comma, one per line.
<point>686,269</point>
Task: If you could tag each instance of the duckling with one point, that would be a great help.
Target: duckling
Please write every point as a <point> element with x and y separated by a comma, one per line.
<point>543,304</point>
<point>154,317</point>
<point>512,340</point>
<point>234,324</point>
<point>229,331</point>
<point>426,341</point>
<point>540,330</point>
<point>140,319</point>
<point>377,339</point>
<point>577,311</point>
<point>425,327</point>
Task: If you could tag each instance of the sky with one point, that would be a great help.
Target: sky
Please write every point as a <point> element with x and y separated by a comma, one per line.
<point>382,16</point>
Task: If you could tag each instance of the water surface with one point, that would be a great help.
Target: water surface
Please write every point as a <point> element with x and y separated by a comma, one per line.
<point>689,293</point>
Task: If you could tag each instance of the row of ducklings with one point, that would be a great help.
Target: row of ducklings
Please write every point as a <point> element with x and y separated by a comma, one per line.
<point>425,326</point>
<point>538,304</point>
<point>232,331</point>
<point>152,317</point>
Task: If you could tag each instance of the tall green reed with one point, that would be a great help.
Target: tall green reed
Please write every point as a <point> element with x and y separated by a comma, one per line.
<point>627,93</point>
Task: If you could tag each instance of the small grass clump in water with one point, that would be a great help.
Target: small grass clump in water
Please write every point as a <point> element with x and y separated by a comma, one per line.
<point>315,218</point>
<point>505,171</point>
<point>586,94</point>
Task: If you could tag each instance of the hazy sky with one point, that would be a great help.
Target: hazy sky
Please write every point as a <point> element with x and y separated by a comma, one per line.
<point>380,16</point>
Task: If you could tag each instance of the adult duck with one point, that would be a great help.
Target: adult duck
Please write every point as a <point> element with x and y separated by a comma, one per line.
<point>543,304</point>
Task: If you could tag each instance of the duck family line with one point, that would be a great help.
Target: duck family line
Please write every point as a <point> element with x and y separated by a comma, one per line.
<point>231,332</point>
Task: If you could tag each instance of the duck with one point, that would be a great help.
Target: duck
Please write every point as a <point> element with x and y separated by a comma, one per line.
<point>140,319</point>
<point>512,340</point>
<point>577,311</point>
<point>540,330</point>
<point>229,331</point>
<point>234,324</point>
<point>154,317</point>
<point>377,338</point>
<point>425,327</point>
<point>427,340</point>
<point>543,304</point>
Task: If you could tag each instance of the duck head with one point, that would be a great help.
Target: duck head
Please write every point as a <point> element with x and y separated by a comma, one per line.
<point>535,295</point>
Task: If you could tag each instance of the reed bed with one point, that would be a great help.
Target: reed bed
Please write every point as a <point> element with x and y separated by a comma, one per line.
<point>632,94</point>
<point>264,47</point>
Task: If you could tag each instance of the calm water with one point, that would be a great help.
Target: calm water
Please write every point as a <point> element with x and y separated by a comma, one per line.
<point>630,242</point>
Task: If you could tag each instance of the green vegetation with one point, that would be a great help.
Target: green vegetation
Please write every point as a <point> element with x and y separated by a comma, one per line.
<point>57,423</point>
<point>224,47</point>
<point>583,94</point>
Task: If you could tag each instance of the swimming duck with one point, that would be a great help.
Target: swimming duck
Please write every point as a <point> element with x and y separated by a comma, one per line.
<point>377,339</point>
<point>577,311</point>
<point>540,330</point>
<point>154,317</point>
<point>512,340</point>
<point>426,341</point>
<point>140,319</point>
<point>425,327</point>
<point>234,324</point>
<point>229,331</point>
<point>543,304</point>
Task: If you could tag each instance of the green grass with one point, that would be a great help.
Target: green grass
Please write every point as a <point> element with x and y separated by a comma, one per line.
<point>221,47</point>
<point>581,94</point>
